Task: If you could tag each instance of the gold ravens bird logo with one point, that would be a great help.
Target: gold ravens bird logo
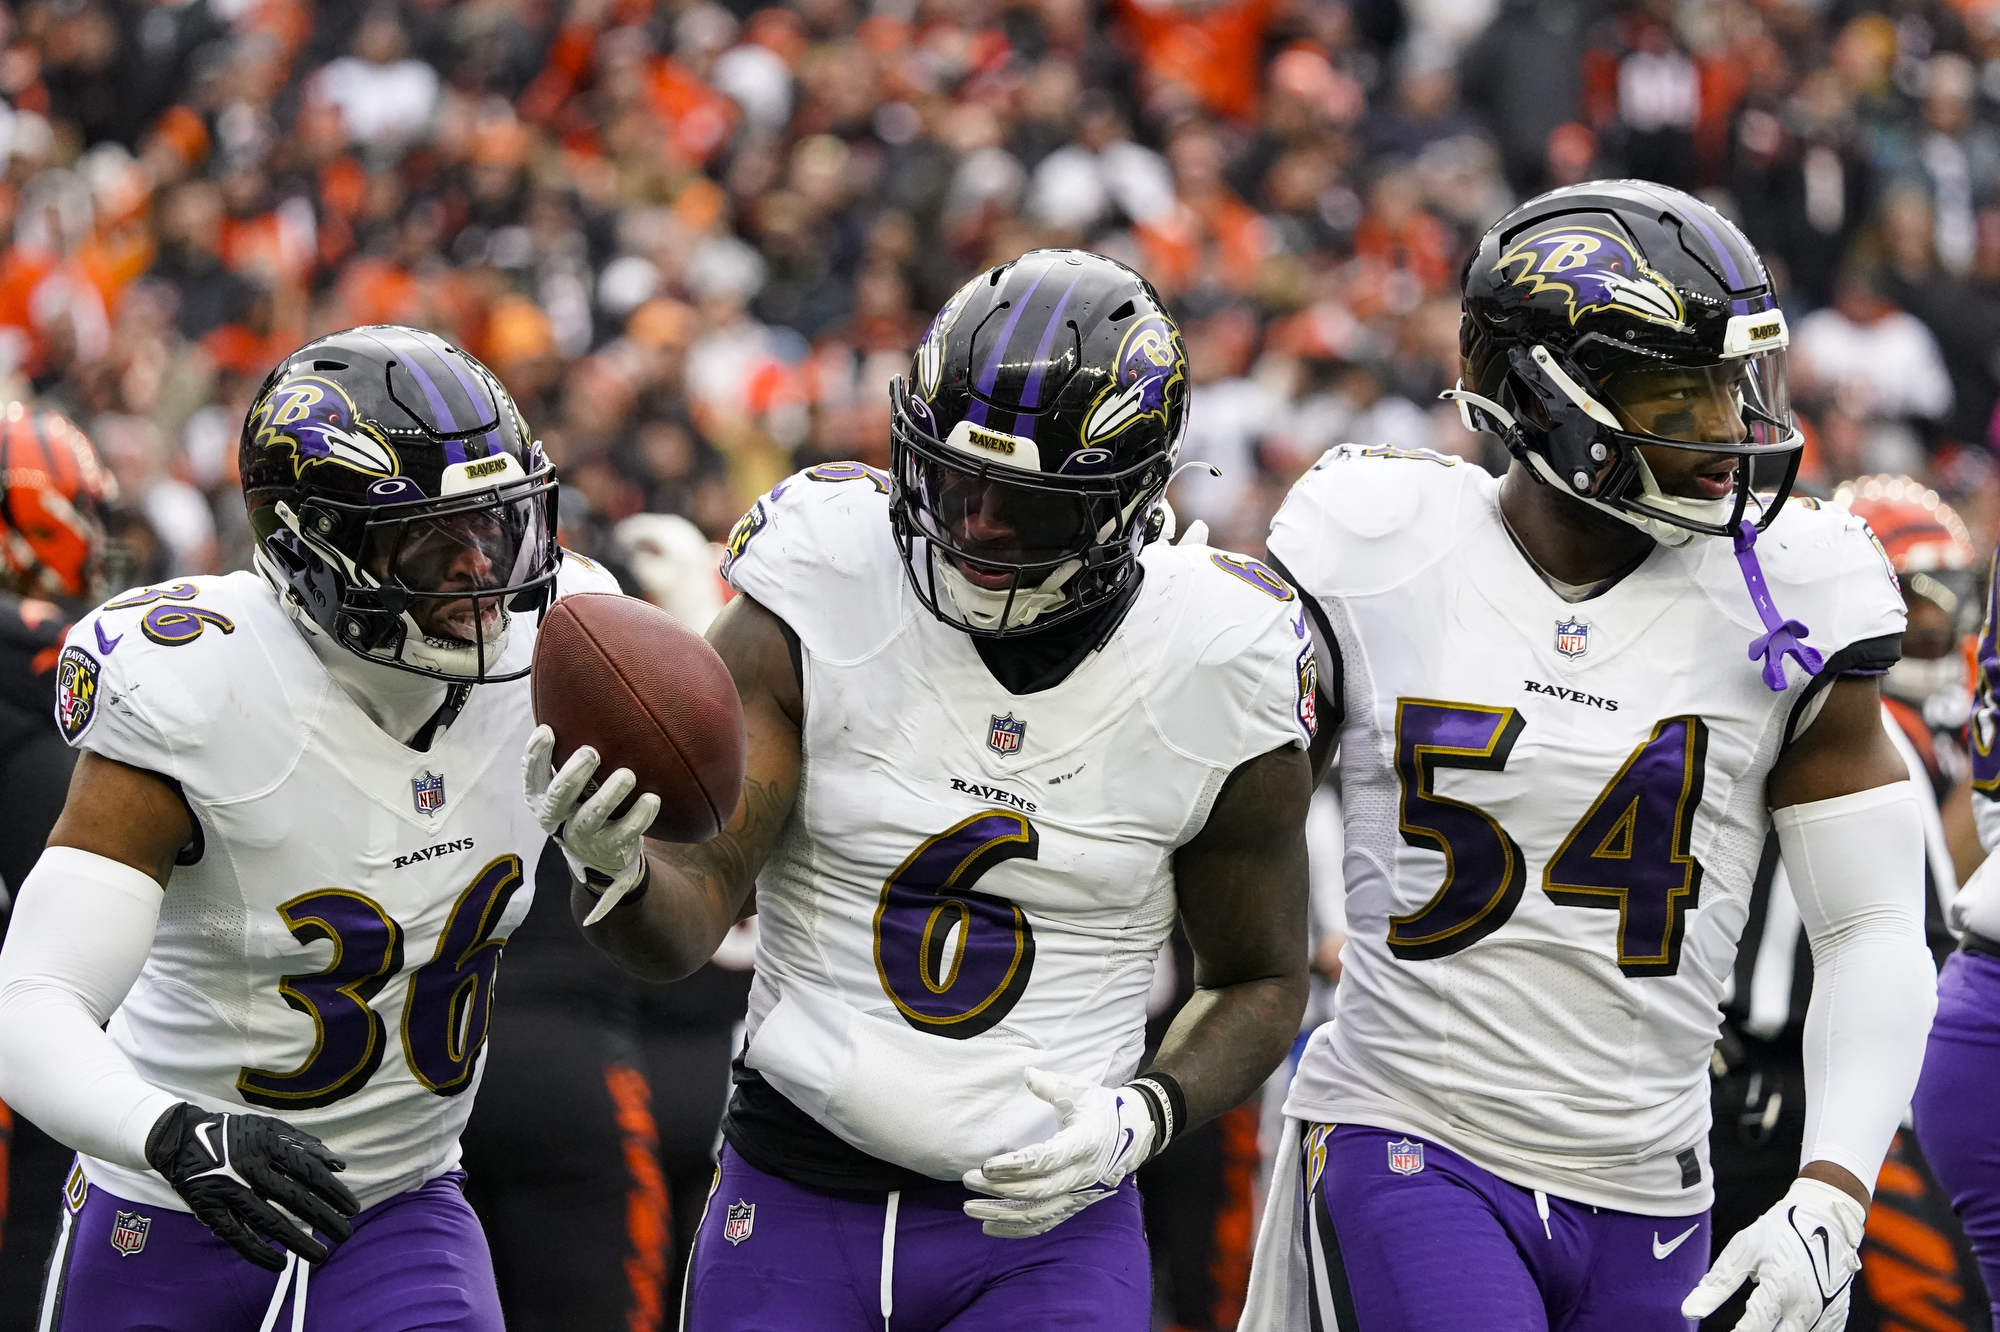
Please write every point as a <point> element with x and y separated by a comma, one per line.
<point>317,421</point>
<point>1589,269</point>
<point>1150,362</point>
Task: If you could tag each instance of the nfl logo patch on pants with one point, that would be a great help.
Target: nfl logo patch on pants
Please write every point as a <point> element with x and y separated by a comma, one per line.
<point>128,1232</point>
<point>737,1223</point>
<point>1406,1156</point>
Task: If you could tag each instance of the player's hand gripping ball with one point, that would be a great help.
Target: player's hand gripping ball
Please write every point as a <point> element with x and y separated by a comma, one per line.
<point>622,686</point>
<point>230,1168</point>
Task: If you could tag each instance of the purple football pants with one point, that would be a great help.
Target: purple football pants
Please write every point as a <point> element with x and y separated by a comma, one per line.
<point>773,1256</point>
<point>1406,1236</point>
<point>416,1261</point>
<point>1956,1123</point>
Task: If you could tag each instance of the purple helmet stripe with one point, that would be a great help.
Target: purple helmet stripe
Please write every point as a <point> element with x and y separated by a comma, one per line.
<point>1031,392</point>
<point>991,373</point>
<point>475,391</point>
<point>453,450</point>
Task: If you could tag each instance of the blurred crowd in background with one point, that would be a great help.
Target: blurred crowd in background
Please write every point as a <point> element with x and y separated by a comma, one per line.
<point>697,239</point>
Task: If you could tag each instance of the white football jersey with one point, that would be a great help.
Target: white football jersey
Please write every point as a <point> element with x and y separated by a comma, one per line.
<point>1553,815</point>
<point>975,882</point>
<point>329,958</point>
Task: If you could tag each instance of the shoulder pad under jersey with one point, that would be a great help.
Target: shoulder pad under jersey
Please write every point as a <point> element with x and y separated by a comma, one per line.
<point>1366,519</point>
<point>818,552</point>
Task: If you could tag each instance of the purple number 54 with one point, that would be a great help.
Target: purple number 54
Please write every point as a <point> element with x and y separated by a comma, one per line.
<point>1629,852</point>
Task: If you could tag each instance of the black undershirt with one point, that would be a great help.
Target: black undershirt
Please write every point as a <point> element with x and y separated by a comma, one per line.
<point>761,1123</point>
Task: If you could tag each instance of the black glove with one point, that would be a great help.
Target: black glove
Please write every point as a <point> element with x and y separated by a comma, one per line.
<point>225,1166</point>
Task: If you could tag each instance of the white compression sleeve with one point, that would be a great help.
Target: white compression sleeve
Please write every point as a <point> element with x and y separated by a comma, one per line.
<point>82,927</point>
<point>1856,864</point>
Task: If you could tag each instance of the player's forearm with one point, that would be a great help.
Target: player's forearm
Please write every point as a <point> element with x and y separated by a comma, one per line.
<point>694,892</point>
<point>80,933</point>
<point>1226,1040</point>
<point>1856,868</point>
<point>669,932</point>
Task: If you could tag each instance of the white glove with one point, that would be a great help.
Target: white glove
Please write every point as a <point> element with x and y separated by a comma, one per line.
<point>1104,1135</point>
<point>583,827</point>
<point>1803,1253</point>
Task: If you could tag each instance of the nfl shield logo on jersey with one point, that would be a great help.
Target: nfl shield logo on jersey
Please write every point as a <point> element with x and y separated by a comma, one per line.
<point>1406,1156</point>
<point>128,1232</point>
<point>1006,735</point>
<point>736,1225</point>
<point>429,792</point>
<point>1572,637</point>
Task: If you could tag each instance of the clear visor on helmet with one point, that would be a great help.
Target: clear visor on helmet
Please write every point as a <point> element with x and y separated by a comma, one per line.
<point>993,521</point>
<point>1735,406</point>
<point>460,564</point>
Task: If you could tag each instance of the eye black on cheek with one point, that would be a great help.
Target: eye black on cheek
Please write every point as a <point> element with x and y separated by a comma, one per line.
<point>1674,424</point>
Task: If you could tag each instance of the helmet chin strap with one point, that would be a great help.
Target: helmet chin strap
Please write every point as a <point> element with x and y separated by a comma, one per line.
<point>1662,529</point>
<point>987,608</point>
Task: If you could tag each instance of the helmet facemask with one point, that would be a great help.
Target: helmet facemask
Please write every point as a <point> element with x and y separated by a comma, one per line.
<point>430,584</point>
<point>1583,432</point>
<point>1009,549</point>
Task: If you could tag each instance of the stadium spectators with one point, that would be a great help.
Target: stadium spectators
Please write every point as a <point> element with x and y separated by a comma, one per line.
<point>696,238</point>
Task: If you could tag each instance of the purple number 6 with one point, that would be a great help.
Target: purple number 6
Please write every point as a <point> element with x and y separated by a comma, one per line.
<point>953,961</point>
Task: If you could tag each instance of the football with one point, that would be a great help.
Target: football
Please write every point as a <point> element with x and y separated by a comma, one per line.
<point>647,693</point>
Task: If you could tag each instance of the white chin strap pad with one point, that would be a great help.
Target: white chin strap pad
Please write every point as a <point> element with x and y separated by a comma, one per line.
<point>986,608</point>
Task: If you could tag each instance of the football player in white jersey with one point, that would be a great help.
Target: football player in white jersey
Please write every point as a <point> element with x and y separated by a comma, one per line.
<point>290,857</point>
<point>1571,702</point>
<point>1001,734</point>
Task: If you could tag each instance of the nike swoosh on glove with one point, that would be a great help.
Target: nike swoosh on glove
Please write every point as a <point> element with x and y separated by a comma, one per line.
<point>1803,1254</point>
<point>1103,1135</point>
<point>580,819</point>
<point>230,1168</point>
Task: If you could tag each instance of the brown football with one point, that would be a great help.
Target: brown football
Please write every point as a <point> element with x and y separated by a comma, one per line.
<point>647,693</point>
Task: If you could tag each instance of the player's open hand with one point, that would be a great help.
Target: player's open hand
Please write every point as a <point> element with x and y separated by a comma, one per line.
<point>1104,1134</point>
<point>606,853</point>
<point>230,1168</point>
<point>1803,1254</point>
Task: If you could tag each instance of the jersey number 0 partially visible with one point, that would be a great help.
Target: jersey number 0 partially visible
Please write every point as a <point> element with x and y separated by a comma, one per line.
<point>1628,853</point>
<point>444,1012</point>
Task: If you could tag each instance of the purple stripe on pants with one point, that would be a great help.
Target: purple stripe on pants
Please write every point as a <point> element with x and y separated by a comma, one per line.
<point>1429,1242</point>
<point>417,1260</point>
<point>1956,1123</point>
<point>773,1256</point>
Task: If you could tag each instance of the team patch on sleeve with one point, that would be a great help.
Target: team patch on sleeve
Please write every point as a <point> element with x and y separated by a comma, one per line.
<point>1308,708</point>
<point>740,536</point>
<point>76,692</point>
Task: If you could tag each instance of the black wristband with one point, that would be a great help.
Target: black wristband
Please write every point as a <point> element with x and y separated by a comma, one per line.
<point>1156,1106</point>
<point>1177,1107</point>
<point>596,882</point>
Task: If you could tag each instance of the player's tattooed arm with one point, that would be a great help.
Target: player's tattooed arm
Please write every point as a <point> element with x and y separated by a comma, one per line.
<point>125,814</point>
<point>1242,886</point>
<point>694,893</point>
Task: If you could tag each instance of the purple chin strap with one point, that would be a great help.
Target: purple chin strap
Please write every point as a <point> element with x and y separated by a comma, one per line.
<point>1781,637</point>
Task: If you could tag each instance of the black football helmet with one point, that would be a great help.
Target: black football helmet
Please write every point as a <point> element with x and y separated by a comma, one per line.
<point>1033,442</point>
<point>1611,314</point>
<point>396,493</point>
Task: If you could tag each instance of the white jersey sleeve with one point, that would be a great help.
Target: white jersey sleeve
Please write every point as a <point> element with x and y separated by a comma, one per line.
<point>147,679</point>
<point>814,551</point>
